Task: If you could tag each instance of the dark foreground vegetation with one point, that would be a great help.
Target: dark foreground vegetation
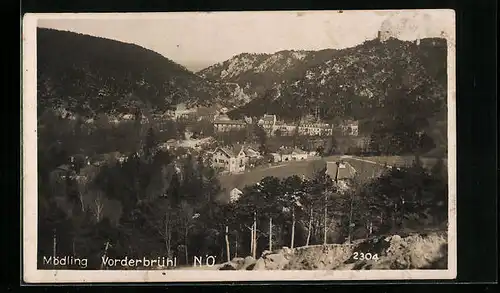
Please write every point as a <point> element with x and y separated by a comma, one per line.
<point>157,204</point>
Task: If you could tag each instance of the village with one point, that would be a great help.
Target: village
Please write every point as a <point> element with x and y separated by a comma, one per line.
<point>258,153</point>
<point>241,164</point>
<point>238,156</point>
<point>235,157</point>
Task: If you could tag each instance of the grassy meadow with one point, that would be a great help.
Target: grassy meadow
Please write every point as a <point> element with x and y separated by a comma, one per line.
<point>367,167</point>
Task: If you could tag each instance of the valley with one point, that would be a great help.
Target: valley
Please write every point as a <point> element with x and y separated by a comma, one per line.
<point>139,156</point>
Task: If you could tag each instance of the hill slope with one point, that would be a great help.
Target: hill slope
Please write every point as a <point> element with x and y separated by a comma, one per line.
<point>89,75</point>
<point>256,73</point>
<point>349,83</point>
<point>395,252</point>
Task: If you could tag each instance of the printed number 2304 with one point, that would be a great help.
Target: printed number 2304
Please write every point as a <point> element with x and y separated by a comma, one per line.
<point>364,256</point>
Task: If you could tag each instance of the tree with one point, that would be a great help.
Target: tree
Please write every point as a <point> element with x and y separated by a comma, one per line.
<point>310,202</point>
<point>291,201</point>
<point>168,129</point>
<point>425,143</point>
<point>204,128</point>
<point>258,205</point>
<point>97,205</point>
<point>331,147</point>
<point>150,144</point>
<point>320,150</point>
<point>321,189</point>
<point>296,133</point>
<point>77,163</point>
<point>232,136</point>
<point>247,213</point>
<point>181,129</point>
<point>53,221</point>
<point>399,198</point>
<point>261,135</point>
<point>439,182</point>
<point>439,169</point>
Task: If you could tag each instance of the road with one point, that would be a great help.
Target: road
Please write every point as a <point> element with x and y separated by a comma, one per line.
<point>366,168</point>
<point>364,160</point>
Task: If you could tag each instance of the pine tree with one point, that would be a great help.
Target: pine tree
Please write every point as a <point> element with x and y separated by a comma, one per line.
<point>149,145</point>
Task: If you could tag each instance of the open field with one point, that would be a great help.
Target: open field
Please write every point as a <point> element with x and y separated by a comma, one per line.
<point>372,166</point>
<point>367,167</point>
<point>306,168</point>
<point>400,161</point>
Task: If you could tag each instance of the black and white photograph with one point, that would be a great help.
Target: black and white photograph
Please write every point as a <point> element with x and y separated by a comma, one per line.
<point>280,145</point>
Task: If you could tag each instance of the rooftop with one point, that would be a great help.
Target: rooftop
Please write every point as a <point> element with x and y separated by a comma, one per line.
<point>350,122</point>
<point>292,151</point>
<point>239,122</point>
<point>269,118</point>
<point>342,171</point>
<point>232,151</point>
<point>223,117</point>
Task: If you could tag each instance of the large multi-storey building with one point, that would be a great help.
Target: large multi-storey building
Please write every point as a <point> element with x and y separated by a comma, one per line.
<point>222,123</point>
<point>268,122</point>
<point>283,129</point>
<point>274,127</point>
<point>315,129</point>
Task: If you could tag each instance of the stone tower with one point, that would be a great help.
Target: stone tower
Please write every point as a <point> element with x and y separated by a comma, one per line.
<point>383,35</point>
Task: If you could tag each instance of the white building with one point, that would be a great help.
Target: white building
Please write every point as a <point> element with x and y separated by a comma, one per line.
<point>315,129</point>
<point>232,160</point>
<point>342,173</point>
<point>287,155</point>
<point>181,111</point>
<point>307,129</point>
<point>234,195</point>
<point>222,123</point>
<point>251,152</point>
<point>268,122</point>
<point>283,128</point>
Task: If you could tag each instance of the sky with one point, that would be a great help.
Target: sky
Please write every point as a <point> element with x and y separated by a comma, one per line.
<point>198,40</point>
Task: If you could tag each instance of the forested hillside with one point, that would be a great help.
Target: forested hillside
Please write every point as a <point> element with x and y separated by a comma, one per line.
<point>256,73</point>
<point>390,87</point>
<point>88,75</point>
<point>151,205</point>
<point>351,82</point>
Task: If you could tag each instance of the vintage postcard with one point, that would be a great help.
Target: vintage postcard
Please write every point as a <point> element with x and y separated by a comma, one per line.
<point>239,146</point>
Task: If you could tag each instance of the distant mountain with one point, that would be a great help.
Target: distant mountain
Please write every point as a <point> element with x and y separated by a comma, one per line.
<point>256,73</point>
<point>362,82</point>
<point>372,81</point>
<point>89,75</point>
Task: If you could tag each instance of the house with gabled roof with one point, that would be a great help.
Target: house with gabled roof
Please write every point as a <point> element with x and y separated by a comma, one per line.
<point>290,154</point>
<point>234,195</point>
<point>253,155</point>
<point>252,151</point>
<point>230,159</point>
<point>341,172</point>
